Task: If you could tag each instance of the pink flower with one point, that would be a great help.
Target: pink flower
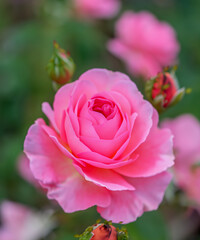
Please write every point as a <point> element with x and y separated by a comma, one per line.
<point>186,130</point>
<point>144,43</point>
<point>25,171</point>
<point>97,8</point>
<point>21,223</point>
<point>102,148</point>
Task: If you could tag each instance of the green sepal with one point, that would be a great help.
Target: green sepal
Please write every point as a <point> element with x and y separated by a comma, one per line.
<point>87,235</point>
<point>122,234</point>
<point>177,98</point>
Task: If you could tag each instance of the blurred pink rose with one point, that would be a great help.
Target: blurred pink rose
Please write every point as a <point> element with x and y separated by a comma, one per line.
<point>25,171</point>
<point>186,130</point>
<point>97,8</point>
<point>102,148</point>
<point>144,43</point>
<point>21,223</point>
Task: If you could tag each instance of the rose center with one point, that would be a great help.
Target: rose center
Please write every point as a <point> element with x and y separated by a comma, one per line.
<point>103,106</point>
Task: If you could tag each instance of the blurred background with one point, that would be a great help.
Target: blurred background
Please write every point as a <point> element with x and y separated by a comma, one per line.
<point>27,31</point>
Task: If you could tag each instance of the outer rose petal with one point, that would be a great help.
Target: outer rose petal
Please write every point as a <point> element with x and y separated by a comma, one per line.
<point>61,102</point>
<point>42,153</point>
<point>25,171</point>
<point>78,194</point>
<point>155,154</point>
<point>126,206</point>
<point>105,178</point>
<point>60,177</point>
<point>47,110</point>
<point>103,79</point>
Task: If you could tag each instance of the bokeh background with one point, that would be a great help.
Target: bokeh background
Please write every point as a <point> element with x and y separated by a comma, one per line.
<point>27,31</point>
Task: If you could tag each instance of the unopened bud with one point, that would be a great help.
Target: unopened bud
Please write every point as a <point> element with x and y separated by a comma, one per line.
<point>61,66</point>
<point>103,231</point>
<point>163,91</point>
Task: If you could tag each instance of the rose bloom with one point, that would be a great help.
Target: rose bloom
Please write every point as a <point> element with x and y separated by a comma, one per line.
<point>97,8</point>
<point>21,223</point>
<point>103,147</point>
<point>144,44</point>
<point>186,130</point>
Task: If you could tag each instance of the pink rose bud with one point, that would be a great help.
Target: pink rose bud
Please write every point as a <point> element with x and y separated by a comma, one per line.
<point>103,231</point>
<point>61,66</point>
<point>163,91</point>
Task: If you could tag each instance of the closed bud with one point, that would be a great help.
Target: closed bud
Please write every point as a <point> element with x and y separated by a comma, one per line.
<point>163,91</point>
<point>103,231</point>
<point>61,66</point>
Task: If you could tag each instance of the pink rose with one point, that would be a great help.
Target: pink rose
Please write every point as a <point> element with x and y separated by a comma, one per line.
<point>97,8</point>
<point>25,171</point>
<point>144,43</point>
<point>21,223</point>
<point>186,130</point>
<point>102,148</point>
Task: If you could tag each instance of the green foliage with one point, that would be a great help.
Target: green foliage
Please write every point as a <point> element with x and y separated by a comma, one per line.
<point>150,226</point>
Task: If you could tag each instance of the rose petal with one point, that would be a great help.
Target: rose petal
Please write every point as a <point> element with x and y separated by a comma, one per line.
<point>61,101</point>
<point>144,110</point>
<point>42,152</point>
<point>105,147</point>
<point>105,178</point>
<point>74,142</point>
<point>126,206</point>
<point>103,79</point>
<point>155,154</point>
<point>77,194</point>
<point>47,110</point>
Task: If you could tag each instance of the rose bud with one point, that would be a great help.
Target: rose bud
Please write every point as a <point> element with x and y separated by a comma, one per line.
<point>163,91</point>
<point>103,231</point>
<point>61,66</point>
